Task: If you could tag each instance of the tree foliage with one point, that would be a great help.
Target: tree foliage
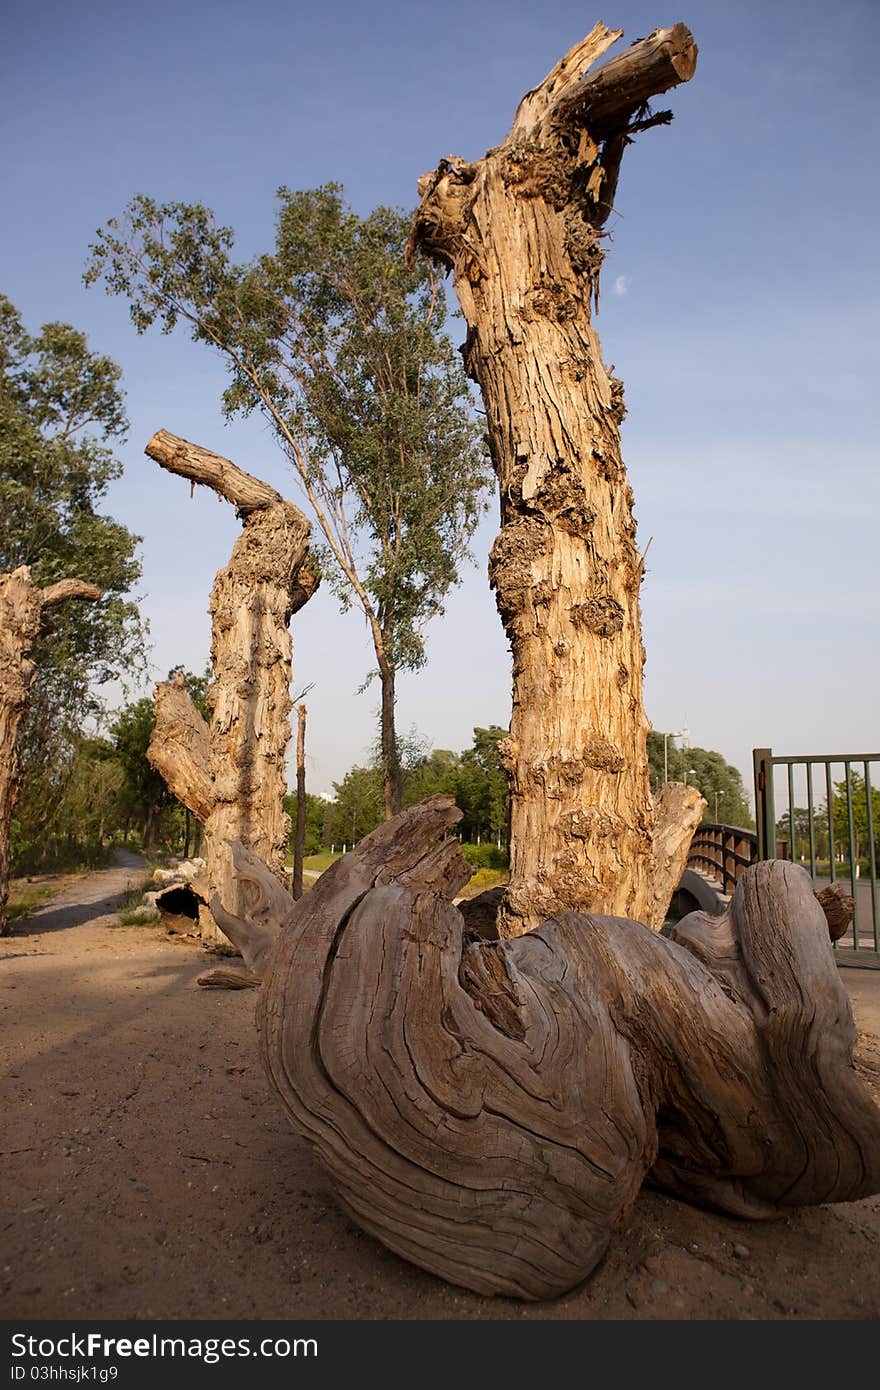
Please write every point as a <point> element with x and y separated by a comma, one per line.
<point>130,733</point>
<point>865,814</point>
<point>863,811</point>
<point>316,812</point>
<point>717,780</point>
<point>340,345</point>
<point>147,798</point>
<point>475,778</point>
<point>61,415</point>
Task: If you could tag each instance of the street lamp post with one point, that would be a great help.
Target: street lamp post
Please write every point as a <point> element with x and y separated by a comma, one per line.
<point>677,733</point>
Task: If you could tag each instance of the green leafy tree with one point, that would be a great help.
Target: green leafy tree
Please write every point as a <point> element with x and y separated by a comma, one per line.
<point>717,780</point>
<point>357,809</point>
<point>340,345</point>
<point>144,791</point>
<point>475,778</point>
<point>862,828</point>
<point>316,811</point>
<point>89,812</point>
<point>61,415</point>
<point>429,775</point>
<point>800,816</point>
<point>130,732</point>
<point>481,788</point>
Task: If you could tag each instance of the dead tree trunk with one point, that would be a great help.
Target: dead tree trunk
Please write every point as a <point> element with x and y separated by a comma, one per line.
<point>23,616</point>
<point>232,775</point>
<point>299,839</point>
<point>490,1111</point>
<point>520,229</point>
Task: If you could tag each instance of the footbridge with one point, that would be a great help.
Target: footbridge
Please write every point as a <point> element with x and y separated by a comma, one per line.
<point>830,823</point>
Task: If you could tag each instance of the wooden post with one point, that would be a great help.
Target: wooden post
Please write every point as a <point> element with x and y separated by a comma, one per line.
<point>300,836</point>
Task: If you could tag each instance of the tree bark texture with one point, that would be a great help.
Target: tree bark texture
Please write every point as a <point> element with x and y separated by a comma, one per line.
<point>520,229</point>
<point>231,773</point>
<point>23,616</point>
<point>490,1111</point>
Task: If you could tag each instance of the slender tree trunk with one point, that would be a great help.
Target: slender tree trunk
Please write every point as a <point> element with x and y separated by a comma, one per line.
<point>186,832</point>
<point>520,229</point>
<point>232,775</point>
<point>390,754</point>
<point>151,828</point>
<point>300,835</point>
<point>23,616</point>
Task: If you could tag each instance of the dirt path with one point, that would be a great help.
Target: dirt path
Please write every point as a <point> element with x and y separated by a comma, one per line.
<point>147,1171</point>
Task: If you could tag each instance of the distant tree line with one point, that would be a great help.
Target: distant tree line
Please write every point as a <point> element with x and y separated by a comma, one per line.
<point>859,812</point>
<point>719,783</point>
<point>107,793</point>
<point>475,778</point>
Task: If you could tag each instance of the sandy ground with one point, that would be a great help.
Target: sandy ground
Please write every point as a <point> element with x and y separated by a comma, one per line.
<point>148,1172</point>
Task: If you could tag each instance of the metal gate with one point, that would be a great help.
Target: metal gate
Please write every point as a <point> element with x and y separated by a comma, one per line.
<point>832,827</point>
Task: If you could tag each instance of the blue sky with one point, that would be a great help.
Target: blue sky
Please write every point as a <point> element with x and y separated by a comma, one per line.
<point>739,306</point>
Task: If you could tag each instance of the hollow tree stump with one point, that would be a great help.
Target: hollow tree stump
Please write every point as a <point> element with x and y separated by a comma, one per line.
<point>491,1110</point>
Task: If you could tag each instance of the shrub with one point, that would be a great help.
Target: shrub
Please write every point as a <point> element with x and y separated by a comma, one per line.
<point>485,856</point>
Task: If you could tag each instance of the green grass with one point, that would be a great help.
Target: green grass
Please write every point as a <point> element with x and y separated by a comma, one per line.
<point>126,913</point>
<point>24,900</point>
<point>321,861</point>
<point>483,879</point>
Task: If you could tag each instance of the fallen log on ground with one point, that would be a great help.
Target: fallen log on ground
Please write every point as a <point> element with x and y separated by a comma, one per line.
<point>490,1110</point>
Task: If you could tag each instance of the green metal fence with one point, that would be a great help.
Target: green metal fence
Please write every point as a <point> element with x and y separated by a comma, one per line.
<point>831,826</point>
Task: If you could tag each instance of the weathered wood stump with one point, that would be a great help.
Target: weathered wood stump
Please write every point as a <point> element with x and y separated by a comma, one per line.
<point>491,1110</point>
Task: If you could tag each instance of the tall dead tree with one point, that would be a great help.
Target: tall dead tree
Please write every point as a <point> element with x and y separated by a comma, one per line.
<point>521,231</point>
<point>24,614</point>
<point>231,773</point>
<point>490,1110</point>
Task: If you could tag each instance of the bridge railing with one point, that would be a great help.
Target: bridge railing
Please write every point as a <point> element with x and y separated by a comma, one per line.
<point>722,853</point>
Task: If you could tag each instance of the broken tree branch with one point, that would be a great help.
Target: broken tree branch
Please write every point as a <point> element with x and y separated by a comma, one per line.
<point>177,455</point>
<point>607,98</point>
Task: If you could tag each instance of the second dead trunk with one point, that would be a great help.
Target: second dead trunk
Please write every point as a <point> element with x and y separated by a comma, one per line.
<point>232,774</point>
